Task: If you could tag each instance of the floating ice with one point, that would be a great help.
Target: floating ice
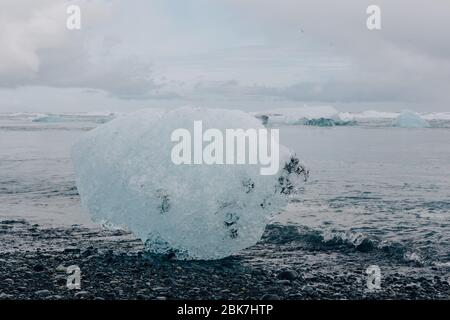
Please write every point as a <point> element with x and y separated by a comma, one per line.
<point>125,177</point>
<point>311,116</point>
<point>326,122</point>
<point>409,119</point>
<point>49,119</point>
<point>367,115</point>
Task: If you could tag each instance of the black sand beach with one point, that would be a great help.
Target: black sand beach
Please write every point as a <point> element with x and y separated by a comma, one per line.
<point>284,265</point>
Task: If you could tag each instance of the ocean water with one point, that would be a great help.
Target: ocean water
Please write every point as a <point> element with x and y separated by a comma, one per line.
<point>390,186</point>
<point>369,182</point>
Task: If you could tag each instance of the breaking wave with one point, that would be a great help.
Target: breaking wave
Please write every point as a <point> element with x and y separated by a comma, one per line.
<point>60,118</point>
<point>50,119</point>
<point>346,242</point>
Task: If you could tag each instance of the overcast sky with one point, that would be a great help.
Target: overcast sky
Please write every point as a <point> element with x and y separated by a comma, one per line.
<point>249,54</point>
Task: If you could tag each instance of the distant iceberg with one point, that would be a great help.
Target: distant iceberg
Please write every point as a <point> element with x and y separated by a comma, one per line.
<point>368,115</point>
<point>410,119</point>
<point>442,116</point>
<point>49,119</point>
<point>312,116</point>
<point>326,122</point>
<point>96,117</point>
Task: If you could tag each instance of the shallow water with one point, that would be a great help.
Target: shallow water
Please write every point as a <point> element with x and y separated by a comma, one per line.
<point>389,186</point>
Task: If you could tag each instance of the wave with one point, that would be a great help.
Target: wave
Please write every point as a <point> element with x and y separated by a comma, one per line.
<point>50,119</point>
<point>369,114</point>
<point>345,242</point>
<point>85,117</point>
<point>437,116</point>
<point>39,188</point>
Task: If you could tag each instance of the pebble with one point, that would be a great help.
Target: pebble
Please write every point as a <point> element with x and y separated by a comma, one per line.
<point>270,296</point>
<point>42,293</point>
<point>5,296</point>
<point>288,275</point>
<point>81,294</point>
<point>38,268</point>
<point>61,268</point>
<point>72,250</point>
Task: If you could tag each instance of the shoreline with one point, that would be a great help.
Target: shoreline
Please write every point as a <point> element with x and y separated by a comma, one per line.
<point>114,266</point>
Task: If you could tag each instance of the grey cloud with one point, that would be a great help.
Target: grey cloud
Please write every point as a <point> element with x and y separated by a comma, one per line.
<point>330,91</point>
<point>38,50</point>
<point>407,61</point>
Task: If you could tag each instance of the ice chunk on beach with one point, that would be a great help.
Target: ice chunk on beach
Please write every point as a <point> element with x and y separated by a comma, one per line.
<point>409,119</point>
<point>126,177</point>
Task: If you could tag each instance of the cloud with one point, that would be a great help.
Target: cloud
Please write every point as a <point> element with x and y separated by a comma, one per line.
<point>308,91</point>
<point>406,24</point>
<point>125,77</point>
<point>38,49</point>
<point>294,50</point>
<point>408,59</point>
<point>25,28</point>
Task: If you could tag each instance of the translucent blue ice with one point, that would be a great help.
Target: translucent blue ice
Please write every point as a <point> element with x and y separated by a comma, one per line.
<point>409,119</point>
<point>125,177</point>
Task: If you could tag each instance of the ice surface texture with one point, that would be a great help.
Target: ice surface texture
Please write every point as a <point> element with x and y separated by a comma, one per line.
<point>409,119</point>
<point>125,177</point>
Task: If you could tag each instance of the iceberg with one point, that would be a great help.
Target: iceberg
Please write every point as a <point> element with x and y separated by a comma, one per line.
<point>49,119</point>
<point>409,119</point>
<point>126,177</point>
<point>326,122</point>
<point>443,116</point>
<point>312,116</point>
<point>367,115</point>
